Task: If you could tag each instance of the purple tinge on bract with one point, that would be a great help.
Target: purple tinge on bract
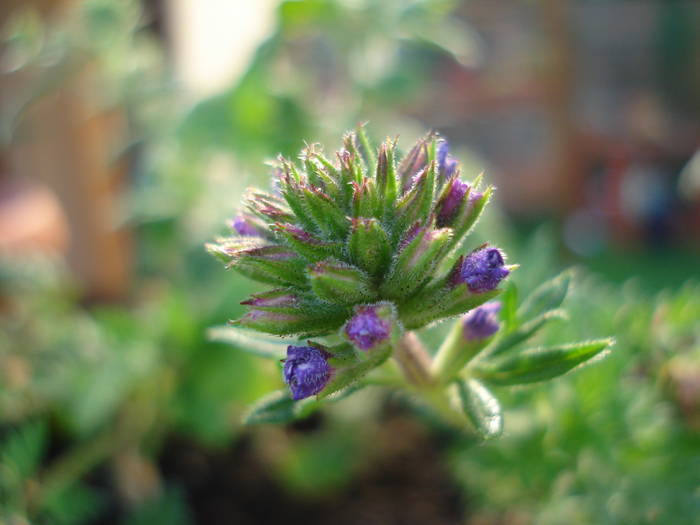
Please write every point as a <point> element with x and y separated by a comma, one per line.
<point>243,227</point>
<point>447,164</point>
<point>482,322</point>
<point>483,269</point>
<point>458,189</point>
<point>366,329</point>
<point>306,371</point>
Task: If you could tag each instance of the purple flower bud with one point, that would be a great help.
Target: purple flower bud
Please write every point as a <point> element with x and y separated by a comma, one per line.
<point>306,371</point>
<point>451,201</point>
<point>481,322</point>
<point>242,225</point>
<point>483,269</point>
<point>447,164</point>
<point>279,298</point>
<point>366,329</point>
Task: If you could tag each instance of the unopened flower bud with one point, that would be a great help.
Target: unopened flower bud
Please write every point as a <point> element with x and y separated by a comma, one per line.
<point>366,329</point>
<point>341,283</point>
<point>243,226</point>
<point>278,300</point>
<point>306,371</point>
<point>447,164</point>
<point>483,270</point>
<point>452,199</point>
<point>482,322</point>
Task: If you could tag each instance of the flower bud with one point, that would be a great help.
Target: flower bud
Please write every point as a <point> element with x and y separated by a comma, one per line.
<point>340,283</point>
<point>468,337</point>
<point>365,202</point>
<point>277,300</point>
<point>366,329</point>
<point>414,161</point>
<point>269,264</point>
<point>307,319</point>
<point>447,164</point>
<point>417,203</point>
<point>267,206</point>
<point>483,270</point>
<point>306,371</point>
<point>416,261</point>
<point>328,218</point>
<point>243,226</point>
<point>306,244</point>
<point>482,322</point>
<point>453,198</point>
<point>368,246</point>
<point>387,183</point>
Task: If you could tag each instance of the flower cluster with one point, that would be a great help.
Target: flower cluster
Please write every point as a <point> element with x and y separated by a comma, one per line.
<point>337,237</point>
<point>363,248</point>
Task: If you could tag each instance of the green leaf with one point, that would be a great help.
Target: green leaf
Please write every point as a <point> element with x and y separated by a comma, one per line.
<point>278,407</point>
<point>539,364</point>
<point>251,342</point>
<point>525,332</point>
<point>509,307</point>
<point>481,407</point>
<point>547,296</point>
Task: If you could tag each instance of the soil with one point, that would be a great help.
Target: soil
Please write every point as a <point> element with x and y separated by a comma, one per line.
<point>405,484</point>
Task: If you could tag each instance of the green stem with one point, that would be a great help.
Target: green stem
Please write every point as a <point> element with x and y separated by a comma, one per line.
<point>454,353</point>
<point>419,370</point>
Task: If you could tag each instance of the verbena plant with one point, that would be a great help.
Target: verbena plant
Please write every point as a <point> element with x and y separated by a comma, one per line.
<point>365,250</point>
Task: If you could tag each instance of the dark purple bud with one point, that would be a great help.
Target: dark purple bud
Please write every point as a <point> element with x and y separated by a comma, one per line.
<point>482,322</point>
<point>483,269</point>
<point>306,371</point>
<point>447,164</point>
<point>244,227</point>
<point>366,329</point>
<point>451,201</point>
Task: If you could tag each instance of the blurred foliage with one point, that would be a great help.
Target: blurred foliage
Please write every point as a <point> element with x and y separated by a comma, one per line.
<point>339,62</point>
<point>616,443</point>
<point>80,384</point>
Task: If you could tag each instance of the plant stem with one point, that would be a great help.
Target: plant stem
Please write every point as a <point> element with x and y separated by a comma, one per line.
<point>414,361</point>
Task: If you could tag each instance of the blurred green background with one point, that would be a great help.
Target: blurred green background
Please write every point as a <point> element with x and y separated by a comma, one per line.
<point>128,132</point>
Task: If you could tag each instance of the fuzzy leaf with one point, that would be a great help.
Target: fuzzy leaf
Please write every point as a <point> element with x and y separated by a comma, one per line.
<point>278,407</point>
<point>539,364</point>
<point>525,332</point>
<point>547,296</point>
<point>248,341</point>
<point>481,408</point>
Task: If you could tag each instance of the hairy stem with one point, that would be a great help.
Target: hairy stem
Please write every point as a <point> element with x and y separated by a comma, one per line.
<point>414,361</point>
